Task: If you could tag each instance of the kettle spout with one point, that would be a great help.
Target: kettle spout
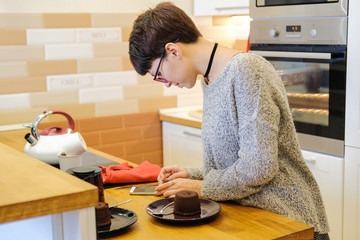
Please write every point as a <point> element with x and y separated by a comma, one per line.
<point>30,139</point>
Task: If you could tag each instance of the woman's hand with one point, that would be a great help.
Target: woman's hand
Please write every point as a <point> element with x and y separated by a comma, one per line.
<point>173,179</point>
<point>172,172</point>
<point>170,188</point>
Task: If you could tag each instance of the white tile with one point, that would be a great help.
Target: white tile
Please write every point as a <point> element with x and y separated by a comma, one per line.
<point>115,78</point>
<point>92,95</point>
<point>13,69</point>
<point>46,36</point>
<point>190,100</point>
<point>98,35</point>
<point>14,101</point>
<point>68,51</point>
<point>173,91</point>
<point>69,81</point>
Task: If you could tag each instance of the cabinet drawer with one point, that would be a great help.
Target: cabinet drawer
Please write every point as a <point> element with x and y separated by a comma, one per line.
<point>182,145</point>
<point>328,171</point>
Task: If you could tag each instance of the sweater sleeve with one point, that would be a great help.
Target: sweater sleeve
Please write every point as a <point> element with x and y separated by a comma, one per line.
<point>257,119</point>
<point>196,173</point>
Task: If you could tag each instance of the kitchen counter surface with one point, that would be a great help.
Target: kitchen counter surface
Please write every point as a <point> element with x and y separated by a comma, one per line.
<point>189,116</point>
<point>31,188</point>
<point>233,222</point>
<point>32,196</point>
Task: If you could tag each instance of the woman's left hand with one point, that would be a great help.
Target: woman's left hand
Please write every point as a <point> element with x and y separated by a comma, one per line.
<point>169,189</point>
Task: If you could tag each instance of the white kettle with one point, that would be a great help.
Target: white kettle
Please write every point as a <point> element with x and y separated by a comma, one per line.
<point>46,144</point>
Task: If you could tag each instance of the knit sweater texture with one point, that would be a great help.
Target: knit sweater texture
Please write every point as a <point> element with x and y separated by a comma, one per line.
<point>251,151</point>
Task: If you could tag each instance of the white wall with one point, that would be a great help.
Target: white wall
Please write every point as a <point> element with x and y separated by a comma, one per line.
<point>36,6</point>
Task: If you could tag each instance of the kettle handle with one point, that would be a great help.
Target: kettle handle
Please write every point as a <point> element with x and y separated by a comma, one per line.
<point>68,117</point>
<point>35,123</point>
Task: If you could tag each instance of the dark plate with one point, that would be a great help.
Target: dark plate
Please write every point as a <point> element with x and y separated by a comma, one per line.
<point>209,210</point>
<point>121,218</point>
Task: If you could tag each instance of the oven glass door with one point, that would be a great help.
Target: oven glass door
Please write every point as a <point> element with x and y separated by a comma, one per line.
<point>265,3</point>
<point>315,86</point>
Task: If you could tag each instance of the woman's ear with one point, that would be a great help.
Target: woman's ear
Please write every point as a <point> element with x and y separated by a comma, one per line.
<point>173,50</point>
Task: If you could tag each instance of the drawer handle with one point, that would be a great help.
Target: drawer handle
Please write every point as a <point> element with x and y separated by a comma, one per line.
<point>310,161</point>
<point>192,134</point>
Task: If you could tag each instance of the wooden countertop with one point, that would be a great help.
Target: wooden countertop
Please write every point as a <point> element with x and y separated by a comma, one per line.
<point>188,116</point>
<point>234,222</point>
<point>31,188</point>
<point>22,200</point>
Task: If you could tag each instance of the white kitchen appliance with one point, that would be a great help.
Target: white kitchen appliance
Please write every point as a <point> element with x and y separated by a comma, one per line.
<point>297,8</point>
<point>306,41</point>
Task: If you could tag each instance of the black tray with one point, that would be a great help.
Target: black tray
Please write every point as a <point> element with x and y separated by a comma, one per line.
<point>121,219</point>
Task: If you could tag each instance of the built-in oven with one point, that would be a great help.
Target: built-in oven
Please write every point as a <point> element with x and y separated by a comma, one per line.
<point>310,56</point>
<point>297,8</point>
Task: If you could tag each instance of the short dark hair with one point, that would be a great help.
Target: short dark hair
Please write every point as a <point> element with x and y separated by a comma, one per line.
<point>156,27</point>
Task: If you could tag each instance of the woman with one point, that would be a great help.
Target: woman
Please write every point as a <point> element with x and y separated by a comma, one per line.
<point>251,153</point>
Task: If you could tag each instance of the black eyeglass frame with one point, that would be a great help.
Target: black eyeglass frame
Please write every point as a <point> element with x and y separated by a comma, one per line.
<point>162,80</point>
<point>157,71</point>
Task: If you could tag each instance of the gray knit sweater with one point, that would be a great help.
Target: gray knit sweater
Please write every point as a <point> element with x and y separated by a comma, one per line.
<point>251,152</point>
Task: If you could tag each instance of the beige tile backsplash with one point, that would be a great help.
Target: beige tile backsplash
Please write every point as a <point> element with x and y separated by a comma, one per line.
<point>120,107</point>
<point>16,116</point>
<point>20,20</point>
<point>21,53</point>
<point>78,63</point>
<point>66,20</point>
<point>76,111</point>
<point>111,49</point>
<point>13,69</point>
<point>51,67</point>
<point>104,64</point>
<point>54,98</point>
<point>113,19</point>
<point>12,37</point>
<point>143,91</point>
<point>21,85</point>
<point>155,103</point>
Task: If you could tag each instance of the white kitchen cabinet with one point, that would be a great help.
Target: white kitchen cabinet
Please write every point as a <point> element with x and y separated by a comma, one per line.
<point>352,129</point>
<point>328,171</point>
<point>224,7</point>
<point>72,225</point>
<point>182,145</point>
<point>352,194</point>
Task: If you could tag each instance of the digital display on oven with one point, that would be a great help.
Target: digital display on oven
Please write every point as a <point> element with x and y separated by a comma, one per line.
<point>293,28</point>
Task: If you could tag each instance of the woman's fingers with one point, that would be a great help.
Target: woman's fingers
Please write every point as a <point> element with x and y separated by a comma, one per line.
<point>170,188</point>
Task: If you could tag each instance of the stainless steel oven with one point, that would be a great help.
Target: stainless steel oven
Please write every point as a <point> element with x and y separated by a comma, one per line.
<point>310,56</point>
<point>297,8</point>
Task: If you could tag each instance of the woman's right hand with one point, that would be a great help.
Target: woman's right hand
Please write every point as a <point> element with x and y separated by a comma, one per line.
<point>172,172</point>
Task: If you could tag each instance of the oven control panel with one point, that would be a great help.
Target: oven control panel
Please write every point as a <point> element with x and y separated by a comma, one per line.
<point>299,31</point>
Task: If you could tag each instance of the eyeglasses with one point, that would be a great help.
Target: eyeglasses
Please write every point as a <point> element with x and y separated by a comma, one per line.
<point>159,79</point>
<point>156,78</point>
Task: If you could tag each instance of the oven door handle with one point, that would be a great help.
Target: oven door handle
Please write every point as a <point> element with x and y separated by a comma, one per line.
<point>304,55</point>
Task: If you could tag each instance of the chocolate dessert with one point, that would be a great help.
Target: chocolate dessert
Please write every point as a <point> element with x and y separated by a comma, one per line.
<point>103,216</point>
<point>187,203</point>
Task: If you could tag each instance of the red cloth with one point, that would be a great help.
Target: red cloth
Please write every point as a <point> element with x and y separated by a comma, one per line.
<point>125,173</point>
<point>248,45</point>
